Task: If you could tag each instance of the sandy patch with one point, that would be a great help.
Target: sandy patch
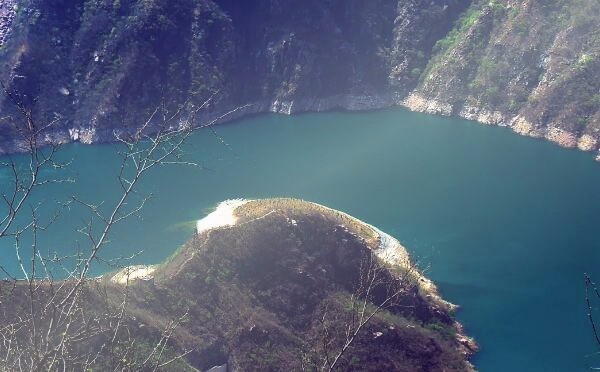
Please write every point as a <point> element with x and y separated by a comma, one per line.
<point>134,272</point>
<point>390,250</point>
<point>222,216</point>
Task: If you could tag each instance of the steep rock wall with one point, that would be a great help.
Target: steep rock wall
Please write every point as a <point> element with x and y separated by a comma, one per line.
<point>96,66</point>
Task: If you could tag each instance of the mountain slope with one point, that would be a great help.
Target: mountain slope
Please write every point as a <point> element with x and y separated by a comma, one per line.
<point>266,292</point>
<point>533,65</point>
<point>97,66</point>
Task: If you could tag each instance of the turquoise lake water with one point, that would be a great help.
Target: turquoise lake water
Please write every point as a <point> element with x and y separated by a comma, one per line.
<point>505,225</point>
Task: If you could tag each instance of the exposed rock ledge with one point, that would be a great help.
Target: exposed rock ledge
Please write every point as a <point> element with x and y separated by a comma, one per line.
<point>483,116</point>
<point>520,125</point>
<point>417,102</point>
<point>561,137</point>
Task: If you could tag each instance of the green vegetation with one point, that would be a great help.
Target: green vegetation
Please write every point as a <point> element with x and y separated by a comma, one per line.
<point>498,8</point>
<point>443,50</point>
<point>445,330</point>
<point>584,61</point>
<point>463,25</point>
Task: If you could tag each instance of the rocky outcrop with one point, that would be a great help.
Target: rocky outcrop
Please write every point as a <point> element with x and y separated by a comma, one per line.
<point>417,102</point>
<point>587,143</point>
<point>522,126</point>
<point>483,116</point>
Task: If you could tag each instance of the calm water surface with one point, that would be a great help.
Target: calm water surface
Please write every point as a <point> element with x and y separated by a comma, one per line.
<point>506,225</point>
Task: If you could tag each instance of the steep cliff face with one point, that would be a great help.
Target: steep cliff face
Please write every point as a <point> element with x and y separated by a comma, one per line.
<point>97,65</point>
<point>100,65</point>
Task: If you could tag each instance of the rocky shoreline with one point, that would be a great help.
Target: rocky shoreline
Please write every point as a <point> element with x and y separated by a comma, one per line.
<point>414,102</point>
<point>518,124</point>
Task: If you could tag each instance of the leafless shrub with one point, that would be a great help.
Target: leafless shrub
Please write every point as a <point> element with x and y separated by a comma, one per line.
<point>379,288</point>
<point>79,322</point>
